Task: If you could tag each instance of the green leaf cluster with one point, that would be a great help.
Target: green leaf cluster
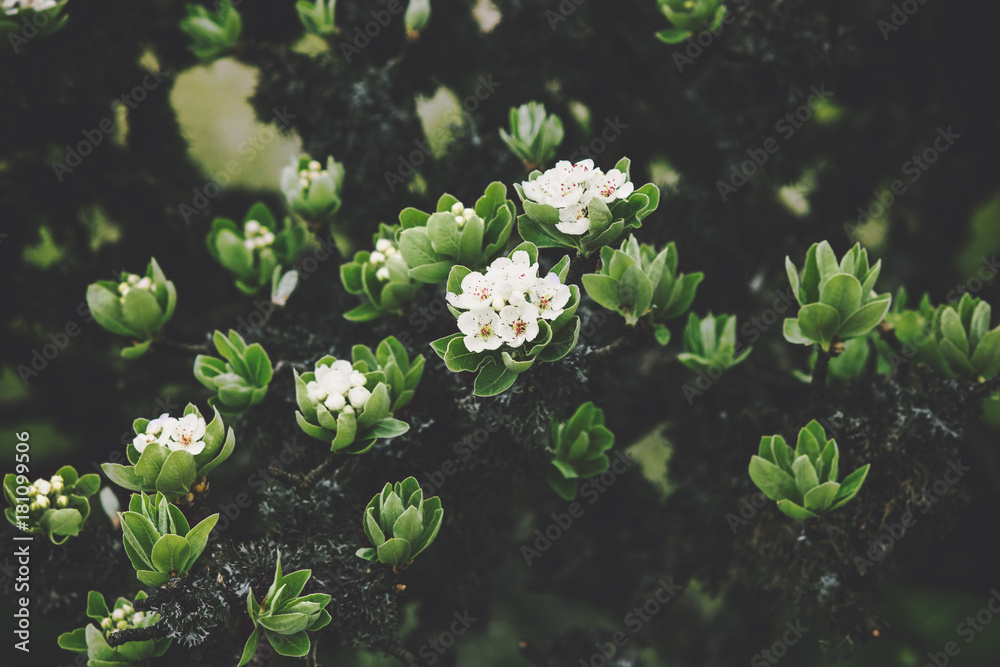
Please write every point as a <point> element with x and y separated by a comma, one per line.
<point>212,33</point>
<point>385,294</point>
<point>158,539</point>
<point>534,135</point>
<point>400,523</point>
<point>636,281</point>
<point>711,343</point>
<point>354,432</point>
<point>318,199</point>
<point>433,243</point>
<point>607,224</point>
<point>498,369</point>
<point>139,314</point>
<point>58,520</point>
<point>93,642</point>
<point>578,448</point>
<point>837,299</point>
<point>399,372</point>
<point>961,342</point>
<point>255,267</point>
<point>317,17</point>
<point>172,473</point>
<point>285,616</point>
<point>804,481</point>
<point>690,16</point>
<point>240,378</point>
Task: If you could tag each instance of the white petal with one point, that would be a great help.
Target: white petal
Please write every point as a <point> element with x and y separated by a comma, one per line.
<point>575,228</point>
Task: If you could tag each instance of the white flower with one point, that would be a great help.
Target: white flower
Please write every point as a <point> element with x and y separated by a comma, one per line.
<point>185,434</point>
<point>348,410</point>
<point>549,296</point>
<point>358,379</point>
<point>477,291</point>
<point>44,488</point>
<point>315,391</point>
<point>140,441</point>
<point>249,244</point>
<point>554,188</point>
<point>517,272</point>
<point>41,503</point>
<point>481,327</point>
<point>132,279</point>
<point>358,396</point>
<point>342,366</point>
<point>383,245</point>
<point>518,323</point>
<point>335,402</point>
<point>156,425</point>
<point>608,187</point>
<point>574,220</point>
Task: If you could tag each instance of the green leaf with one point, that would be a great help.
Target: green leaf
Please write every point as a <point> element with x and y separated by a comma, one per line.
<point>805,474</point>
<point>151,578</point>
<point>285,624</point>
<point>850,486</point>
<point>395,551</point>
<point>772,480</point>
<point>106,308</point>
<point>819,322</point>
<point>819,499</point>
<point>602,289</point>
<point>957,360</point>
<point>409,526</point>
<point>951,327</point>
<point>843,293</point>
<point>75,640</point>
<point>987,353</point>
<point>97,608</point>
<point>293,646</point>
<point>197,538</point>
<point>662,334</point>
<point>493,379</point>
<point>470,250</point>
<point>259,365</point>
<point>865,318</point>
<point>177,475</point>
<point>137,350</point>
<point>458,357</point>
<point>250,648</point>
<point>363,313</point>
<point>795,511</point>
<point>141,312</point>
<point>388,428</point>
<point>170,554</point>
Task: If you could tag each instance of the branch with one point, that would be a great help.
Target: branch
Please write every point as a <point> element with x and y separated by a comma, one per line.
<point>401,654</point>
<point>988,387</point>
<point>137,634</point>
<point>888,334</point>
<point>820,370</point>
<point>615,346</point>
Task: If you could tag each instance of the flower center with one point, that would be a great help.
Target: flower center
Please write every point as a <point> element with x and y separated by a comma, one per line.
<point>485,331</point>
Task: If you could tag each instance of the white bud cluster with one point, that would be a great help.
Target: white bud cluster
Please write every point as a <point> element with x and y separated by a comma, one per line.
<point>132,281</point>
<point>45,493</point>
<point>125,617</point>
<point>384,251</point>
<point>307,176</point>
<point>256,235</point>
<point>339,387</point>
<point>462,214</point>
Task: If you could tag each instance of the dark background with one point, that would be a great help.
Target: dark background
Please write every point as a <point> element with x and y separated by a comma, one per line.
<point>684,130</point>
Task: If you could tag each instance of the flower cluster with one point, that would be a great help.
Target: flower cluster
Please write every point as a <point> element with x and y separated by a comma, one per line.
<point>130,281</point>
<point>126,617</point>
<point>45,494</point>
<point>385,250</point>
<point>184,434</point>
<point>504,304</point>
<point>339,387</point>
<point>256,236</point>
<point>12,7</point>
<point>462,214</point>
<point>312,192</point>
<point>56,507</point>
<point>570,188</point>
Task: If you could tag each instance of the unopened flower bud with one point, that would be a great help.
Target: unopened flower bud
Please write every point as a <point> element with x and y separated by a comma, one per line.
<point>358,396</point>
<point>43,486</point>
<point>105,623</point>
<point>314,165</point>
<point>144,283</point>
<point>358,379</point>
<point>335,402</point>
<point>117,615</point>
<point>252,227</point>
<point>382,274</point>
<point>457,208</point>
<point>62,501</point>
<point>376,257</point>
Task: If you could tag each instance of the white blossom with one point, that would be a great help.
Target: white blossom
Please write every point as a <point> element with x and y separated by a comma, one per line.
<point>156,425</point>
<point>477,291</point>
<point>608,187</point>
<point>141,440</point>
<point>481,327</point>
<point>549,296</point>
<point>574,220</point>
<point>518,323</point>
<point>185,434</point>
<point>335,402</point>
<point>358,396</point>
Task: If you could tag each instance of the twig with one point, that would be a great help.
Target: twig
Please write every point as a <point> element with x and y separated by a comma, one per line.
<point>988,387</point>
<point>820,370</point>
<point>137,634</point>
<point>184,347</point>
<point>612,348</point>
<point>308,480</point>
<point>401,654</point>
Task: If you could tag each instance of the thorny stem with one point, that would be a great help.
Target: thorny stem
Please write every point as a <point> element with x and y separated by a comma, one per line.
<point>137,634</point>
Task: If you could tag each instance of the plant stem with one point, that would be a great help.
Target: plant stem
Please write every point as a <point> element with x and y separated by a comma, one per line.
<point>137,634</point>
<point>988,387</point>
<point>401,654</point>
<point>820,370</point>
<point>615,346</point>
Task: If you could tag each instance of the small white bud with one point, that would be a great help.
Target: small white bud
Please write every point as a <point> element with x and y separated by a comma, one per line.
<point>314,165</point>
<point>105,623</point>
<point>124,288</point>
<point>43,486</point>
<point>358,396</point>
<point>127,608</point>
<point>122,624</point>
<point>348,410</point>
<point>383,245</point>
<point>457,208</point>
<point>304,173</point>
<point>132,279</point>
<point>252,227</point>
<point>32,491</point>
<point>117,615</point>
<point>62,501</point>
<point>376,257</point>
<point>358,379</point>
<point>145,283</point>
<point>249,244</point>
<point>498,303</point>
<point>57,483</point>
<point>382,274</point>
<point>390,251</point>
<point>335,402</point>
<point>303,182</point>
<point>138,618</point>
